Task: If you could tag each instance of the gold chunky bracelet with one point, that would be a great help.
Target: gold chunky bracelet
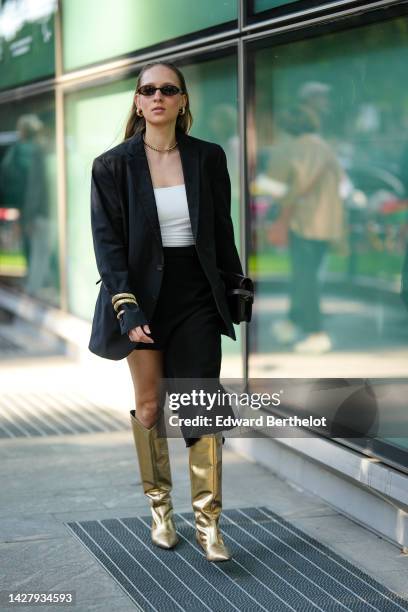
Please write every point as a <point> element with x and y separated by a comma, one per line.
<point>118,296</point>
<point>119,303</point>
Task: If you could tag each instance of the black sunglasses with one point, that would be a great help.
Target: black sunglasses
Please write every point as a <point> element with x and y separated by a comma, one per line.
<point>166,90</point>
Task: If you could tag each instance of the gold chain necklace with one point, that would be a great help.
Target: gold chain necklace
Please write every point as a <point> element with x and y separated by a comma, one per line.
<point>160,150</point>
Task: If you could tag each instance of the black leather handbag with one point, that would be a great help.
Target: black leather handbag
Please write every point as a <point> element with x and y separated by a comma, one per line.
<point>240,295</point>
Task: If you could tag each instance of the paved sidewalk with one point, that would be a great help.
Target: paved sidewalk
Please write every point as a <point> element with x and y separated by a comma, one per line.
<point>47,481</point>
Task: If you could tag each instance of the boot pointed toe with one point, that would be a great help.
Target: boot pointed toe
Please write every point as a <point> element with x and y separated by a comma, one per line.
<point>216,551</point>
<point>164,538</point>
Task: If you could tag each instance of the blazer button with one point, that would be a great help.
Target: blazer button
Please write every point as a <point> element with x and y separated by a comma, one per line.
<point>159,266</point>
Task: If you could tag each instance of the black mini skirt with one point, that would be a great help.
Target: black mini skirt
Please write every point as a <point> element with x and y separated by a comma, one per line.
<point>185,300</point>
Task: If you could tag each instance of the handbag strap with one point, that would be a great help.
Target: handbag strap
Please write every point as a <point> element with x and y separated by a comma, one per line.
<point>245,293</point>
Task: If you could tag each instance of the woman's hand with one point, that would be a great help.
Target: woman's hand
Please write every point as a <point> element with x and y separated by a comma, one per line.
<point>137,334</point>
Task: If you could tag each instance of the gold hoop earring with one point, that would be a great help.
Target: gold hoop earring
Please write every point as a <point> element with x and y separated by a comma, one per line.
<point>139,112</point>
<point>182,110</point>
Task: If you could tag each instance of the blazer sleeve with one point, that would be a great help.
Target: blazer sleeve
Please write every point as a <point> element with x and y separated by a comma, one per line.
<point>227,255</point>
<point>109,243</point>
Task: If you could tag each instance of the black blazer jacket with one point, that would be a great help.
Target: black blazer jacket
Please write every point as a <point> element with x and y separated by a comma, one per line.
<point>127,239</point>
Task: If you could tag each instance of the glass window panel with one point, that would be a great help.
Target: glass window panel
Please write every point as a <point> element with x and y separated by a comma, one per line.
<point>277,8</point>
<point>264,5</point>
<point>28,198</point>
<point>117,28</point>
<point>95,121</point>
<point>26,41</point>
<point>328,166</point>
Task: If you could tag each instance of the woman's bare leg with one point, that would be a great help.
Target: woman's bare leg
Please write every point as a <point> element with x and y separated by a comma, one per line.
<point>146,368</point>
<point>152,450</point>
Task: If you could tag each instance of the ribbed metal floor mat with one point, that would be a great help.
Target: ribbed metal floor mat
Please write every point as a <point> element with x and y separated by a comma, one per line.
<point>50,414</point>
<point>275,567</point>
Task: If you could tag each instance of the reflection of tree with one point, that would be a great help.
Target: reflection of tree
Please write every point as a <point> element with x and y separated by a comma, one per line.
<point>363,65</point>
<point>15,15</point>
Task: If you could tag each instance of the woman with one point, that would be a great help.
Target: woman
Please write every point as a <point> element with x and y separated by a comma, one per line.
<point>162,230</point>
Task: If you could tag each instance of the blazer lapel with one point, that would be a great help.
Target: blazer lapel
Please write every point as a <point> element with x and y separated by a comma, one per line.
<point>142,182</point>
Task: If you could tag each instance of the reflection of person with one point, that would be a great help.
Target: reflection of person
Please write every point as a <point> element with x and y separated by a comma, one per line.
<point>312,211</point>
<point>314,95</point>
<point>24,186</point>
<point>161,223</point>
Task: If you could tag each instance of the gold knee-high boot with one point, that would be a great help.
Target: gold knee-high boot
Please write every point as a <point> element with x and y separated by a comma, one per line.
<point>205,461</point>
<point>154,464</point>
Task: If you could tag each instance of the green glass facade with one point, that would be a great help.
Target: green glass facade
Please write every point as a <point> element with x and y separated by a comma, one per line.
<point>264,5</point>
<point>27,42</point>
<point>85,112</point>
<point>28,191</point>
<point>287,6</point>
<point>325,111</point>
<point>328,134</point>
<point>142,25</point>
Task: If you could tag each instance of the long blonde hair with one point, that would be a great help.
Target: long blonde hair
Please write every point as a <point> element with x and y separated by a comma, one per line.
<point>137,124</point>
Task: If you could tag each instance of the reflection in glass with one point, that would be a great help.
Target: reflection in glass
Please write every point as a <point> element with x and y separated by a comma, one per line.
<point>142,25</point>
<point>328,185</point>
<point>28,225</point>
<point>310,219</point>
<point>27,43</point>
<point>264,5</point>
<point>328,202</point>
